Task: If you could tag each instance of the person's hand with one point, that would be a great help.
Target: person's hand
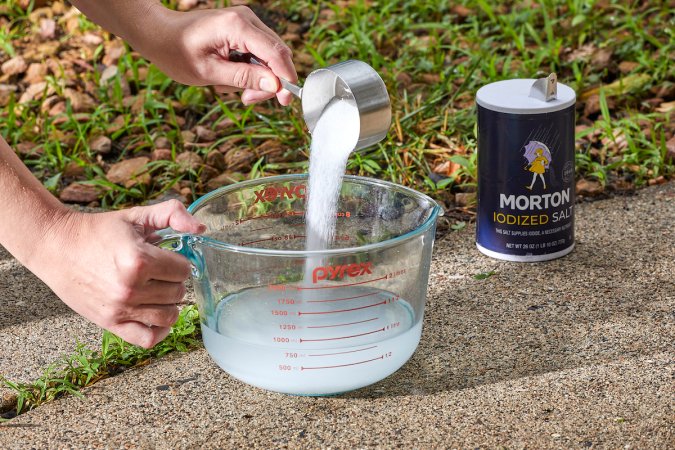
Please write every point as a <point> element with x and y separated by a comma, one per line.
<point>104,268</point>
<point>194,46</point>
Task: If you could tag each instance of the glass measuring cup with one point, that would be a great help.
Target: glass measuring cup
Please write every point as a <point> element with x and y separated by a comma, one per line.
<point>310,323</point>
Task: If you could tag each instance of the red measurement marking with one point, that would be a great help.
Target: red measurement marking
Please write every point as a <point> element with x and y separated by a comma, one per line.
<point>340,299</point>
<point>273,238</point>
<point>344,324</point>
<point>344,353</point>
<point>342,365</point>
<point>278,215</point>
<point>270,215</point>
<point>263,228</point>
<point>342,337</point>
<point>242,244</point>
<point>343,310</point>
<point>300,288</point>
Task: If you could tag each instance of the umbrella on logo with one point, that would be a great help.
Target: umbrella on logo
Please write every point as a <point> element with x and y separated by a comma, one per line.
<point>531,152</point>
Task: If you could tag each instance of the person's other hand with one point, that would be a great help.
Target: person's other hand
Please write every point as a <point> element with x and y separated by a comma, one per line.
<point>103,266</point>
<point>194,47</point>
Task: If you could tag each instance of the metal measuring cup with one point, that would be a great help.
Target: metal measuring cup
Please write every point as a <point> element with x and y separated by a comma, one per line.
<point>354,81</point>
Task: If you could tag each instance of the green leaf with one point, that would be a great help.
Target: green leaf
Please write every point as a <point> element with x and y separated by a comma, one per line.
<point>484,275</point>
<point>445,182</point>
<point>462,161</point>
<point>458,226</point>
<point>52,183</point>
<point>578,19</point>
<point>373,164</point>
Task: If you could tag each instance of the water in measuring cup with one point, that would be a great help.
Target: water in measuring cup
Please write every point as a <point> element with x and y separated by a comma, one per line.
<point>318,343</point>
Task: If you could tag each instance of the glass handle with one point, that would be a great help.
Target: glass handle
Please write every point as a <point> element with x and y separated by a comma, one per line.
<point>185,244</point>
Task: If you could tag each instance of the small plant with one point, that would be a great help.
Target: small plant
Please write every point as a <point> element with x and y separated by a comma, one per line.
<point>85,366</point>
<point>457,226</point>
<point>484,275</point>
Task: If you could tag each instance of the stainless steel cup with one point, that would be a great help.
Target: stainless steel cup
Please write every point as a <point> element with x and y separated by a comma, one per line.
<point>353,81</point>
<point>350,80</point>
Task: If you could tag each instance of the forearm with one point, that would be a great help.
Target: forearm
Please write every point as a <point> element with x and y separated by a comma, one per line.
<point>27,209</point>
<point>193,47</point>
<point>139,22</point>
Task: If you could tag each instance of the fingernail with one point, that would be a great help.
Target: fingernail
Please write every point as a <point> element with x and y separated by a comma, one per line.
<point>268,85</point>
<point>285,97</point>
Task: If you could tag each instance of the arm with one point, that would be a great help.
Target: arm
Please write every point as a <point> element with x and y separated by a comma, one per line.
<point>193,47</point>
<point>99,264</point>
<point>28,209</point>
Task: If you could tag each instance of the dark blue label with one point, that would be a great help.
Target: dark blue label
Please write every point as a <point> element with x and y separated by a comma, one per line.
<point>525,182</point>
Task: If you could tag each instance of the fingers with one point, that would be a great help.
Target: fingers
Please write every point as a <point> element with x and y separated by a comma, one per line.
<point>140,334</point>
<point>284,97</point>
<point>225,89</point>
<point>272,50</point>
<point>164,265</point>
<point>276,55</point>
<point>250,96</point>
<point>253,96</point>
<point>239,76</point>
<point>145,325</point>
<point>265,44</point>
<point>156,292</point>
<point>151,315</point>
<point>171,213</point>
<point>238,28</point>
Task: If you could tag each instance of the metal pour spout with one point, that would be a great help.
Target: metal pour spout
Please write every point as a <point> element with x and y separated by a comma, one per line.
<point>545,89</point>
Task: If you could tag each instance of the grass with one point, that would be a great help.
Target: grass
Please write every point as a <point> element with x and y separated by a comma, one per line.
<point>85,366</point>
<point>433,58</point>
<point>484,275</point>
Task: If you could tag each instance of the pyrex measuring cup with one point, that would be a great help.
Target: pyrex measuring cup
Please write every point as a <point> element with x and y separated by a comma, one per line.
<point>353,81</point>
<point>312,323</point>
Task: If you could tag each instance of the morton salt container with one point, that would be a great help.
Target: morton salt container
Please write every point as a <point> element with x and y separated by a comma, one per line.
<point>525,169</point>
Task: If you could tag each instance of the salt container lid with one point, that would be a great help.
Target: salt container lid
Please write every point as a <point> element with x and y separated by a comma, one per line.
<point>513,96</point>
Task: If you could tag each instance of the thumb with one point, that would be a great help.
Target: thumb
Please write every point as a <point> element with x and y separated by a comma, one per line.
<point>247,76</point>
<point>171,213</point>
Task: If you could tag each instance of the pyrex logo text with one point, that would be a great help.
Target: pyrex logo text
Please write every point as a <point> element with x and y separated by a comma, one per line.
<point>341,271</point>
<point>272,193</point>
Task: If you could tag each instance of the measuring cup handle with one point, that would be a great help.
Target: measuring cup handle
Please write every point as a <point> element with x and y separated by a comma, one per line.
<point>185,245</point>
<point>171,241</point>
<point>249,58</point>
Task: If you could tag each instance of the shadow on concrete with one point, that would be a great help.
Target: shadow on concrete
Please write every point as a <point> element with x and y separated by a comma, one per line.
<point>595,306</point>
<point>4,254</point>
<point>24,298</point>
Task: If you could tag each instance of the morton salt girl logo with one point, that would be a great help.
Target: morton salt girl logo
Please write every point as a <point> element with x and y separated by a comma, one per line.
<point>538,161</point>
